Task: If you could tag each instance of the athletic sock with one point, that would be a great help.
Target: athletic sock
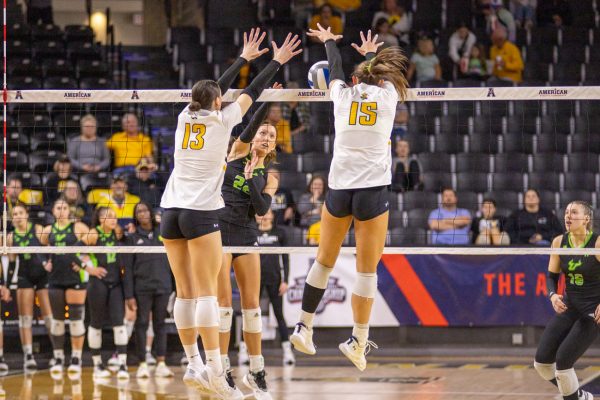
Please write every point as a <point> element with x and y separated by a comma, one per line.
<point>307,318</point>
<point>97,360</point>
<point>129,327</point>
<point>193,355</point>
<point>76,354</point>
<point>225,362</point>
<point>257,363</point>
<point>314,289</point>
<point>213,361</point>
<point>148,349</point>
<point>59,354</point>
<point>122,358</point>
<point>27,349</point>
<point>361,333</point>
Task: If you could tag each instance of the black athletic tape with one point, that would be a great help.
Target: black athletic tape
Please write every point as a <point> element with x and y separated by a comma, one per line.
<point>552,283</point>
<point>257,119</point>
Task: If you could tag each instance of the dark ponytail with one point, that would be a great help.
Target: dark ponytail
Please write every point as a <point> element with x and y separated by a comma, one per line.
<point>204,93</point>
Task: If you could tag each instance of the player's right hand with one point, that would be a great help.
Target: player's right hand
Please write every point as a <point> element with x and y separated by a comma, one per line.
<point>287,51</point>
<point>252,43</point>
<point>369,44</point>
<point>558,304</point>
<point>323,34</point>
<point>131,304</point>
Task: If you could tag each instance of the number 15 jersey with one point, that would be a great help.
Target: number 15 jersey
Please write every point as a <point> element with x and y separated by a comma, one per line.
<point>364,118</point>
<point>201,142</point>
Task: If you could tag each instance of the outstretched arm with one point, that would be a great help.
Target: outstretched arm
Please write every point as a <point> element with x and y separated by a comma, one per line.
<point>250,51</point>
<point>369,46</point>
<point>333,53</point>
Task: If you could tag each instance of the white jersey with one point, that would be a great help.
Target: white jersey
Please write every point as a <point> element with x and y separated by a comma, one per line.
<point>201,142</point>
<point>364,118</point>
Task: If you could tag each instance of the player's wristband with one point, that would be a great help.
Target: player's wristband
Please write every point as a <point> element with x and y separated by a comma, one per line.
<point>369,56</point>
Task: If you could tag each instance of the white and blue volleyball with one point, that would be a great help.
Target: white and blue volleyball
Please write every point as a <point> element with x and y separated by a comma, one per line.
<point>318,76</point>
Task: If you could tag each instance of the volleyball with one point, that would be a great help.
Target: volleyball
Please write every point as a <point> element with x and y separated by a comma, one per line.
<point>318,76</point>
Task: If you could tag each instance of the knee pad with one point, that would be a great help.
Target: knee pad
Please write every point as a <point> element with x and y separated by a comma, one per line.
<point>318,276</point>
<point>76,317</point>
<point>207,312</point>
<point>58,327</point>
<point>365,285</point>
<point>48,322</point>
<point>150,330</point>
<point>94,337</point>
<point>567,381</point>
<point>225,319</point>
<point>252,321</point>
<point>184,313</point>
<point>25,321</point>
<point>546,371</point>
<point>120,333</point>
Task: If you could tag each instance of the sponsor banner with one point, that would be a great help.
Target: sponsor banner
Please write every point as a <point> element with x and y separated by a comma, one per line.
<point>418,94</point>
<point>335,309</point>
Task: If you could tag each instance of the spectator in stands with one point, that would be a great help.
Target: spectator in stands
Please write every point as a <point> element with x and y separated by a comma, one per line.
<point>397,17</point>
<point>144,185</point>
<point>130,146</point>
<point>56,180</point>
<point>326,19</point>
<point>459,46</point>
<point>284,132</point>
<point>384,30</point>
<point>554,13</point>
<point>283,202</point>
<point>496,16</point>
<point>14,188</point>
<point>424,63</point>
<point>77,206</point>
<point>340,5</point>
<point>310,203</point>
<point>508,64</point>
<point>400,121</point>
<point>533,224</point>
<point>450,225</point>
<point>489,228</point>
<point>477,64</point>
<point>524,12</point>
<point>120,200</point>
<point>297,112</point>
<point>406,170</point>
<point>39,11</point>
<point>88,152</point>
<point>313,235</point>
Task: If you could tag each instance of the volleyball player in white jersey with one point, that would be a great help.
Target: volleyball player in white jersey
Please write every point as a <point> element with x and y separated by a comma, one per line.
<point>358,179</point>
<point>190,223</point>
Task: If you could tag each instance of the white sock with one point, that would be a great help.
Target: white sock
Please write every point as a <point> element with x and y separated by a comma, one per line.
<point>76,354</point>
<point>225,362</point>
<point>129,327</point>
<point>213,361</point>
<point>122,358</point>
<point>193,355</point>
<point>59,354</point>
<point>27,349</point>
<point>257,363</point>
<point>97,360</point>
<point>307,319</point>
<point>361,333</point>
<point>148,349</point>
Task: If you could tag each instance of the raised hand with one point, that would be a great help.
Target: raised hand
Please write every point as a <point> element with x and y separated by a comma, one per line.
<point>277,85</point>
<point>323,34</point>
<point>250,165</point>
<point>369,44</point>
<point>287,50</point>
<point>252,43</point>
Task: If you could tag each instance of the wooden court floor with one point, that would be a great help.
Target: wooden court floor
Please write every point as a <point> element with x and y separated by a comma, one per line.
<point>334,380</point>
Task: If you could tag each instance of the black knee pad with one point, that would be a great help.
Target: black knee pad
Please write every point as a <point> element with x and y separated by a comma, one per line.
<point>76,317</point>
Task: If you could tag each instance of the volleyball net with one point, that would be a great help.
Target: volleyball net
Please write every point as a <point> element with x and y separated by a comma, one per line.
<point>483,142</point>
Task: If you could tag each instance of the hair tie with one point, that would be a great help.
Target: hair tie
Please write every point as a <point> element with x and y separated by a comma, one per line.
<point>369,65</point>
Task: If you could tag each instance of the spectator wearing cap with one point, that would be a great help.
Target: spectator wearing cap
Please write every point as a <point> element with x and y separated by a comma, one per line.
<point>56,180</point>
<point>130,146</point>
<point>508,64</point>
<point>144,185</point>
<point>121,201</point>
<point>88,153</point>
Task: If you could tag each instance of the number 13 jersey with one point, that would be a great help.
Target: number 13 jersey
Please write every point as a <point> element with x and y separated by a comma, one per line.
<point>201,142</point>
<point>364,118</point>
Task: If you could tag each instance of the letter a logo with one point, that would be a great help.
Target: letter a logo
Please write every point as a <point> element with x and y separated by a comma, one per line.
<point>19,95</point>
<point>491,93</point>
<point>134,95</point>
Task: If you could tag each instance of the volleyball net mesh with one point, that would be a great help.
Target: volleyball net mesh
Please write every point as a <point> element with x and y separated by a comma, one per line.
<point>484,143</point>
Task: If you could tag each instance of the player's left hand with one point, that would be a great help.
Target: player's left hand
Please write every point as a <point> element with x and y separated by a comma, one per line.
<point>283,287</point>
<point>250,165</point>
<point>252,43</point>
<point>323,34</point>
<point>5,294</point>
<point>369,44</point>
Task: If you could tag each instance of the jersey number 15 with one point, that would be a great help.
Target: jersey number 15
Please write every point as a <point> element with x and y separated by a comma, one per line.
<point>198,142</point>
<point>368,114</point>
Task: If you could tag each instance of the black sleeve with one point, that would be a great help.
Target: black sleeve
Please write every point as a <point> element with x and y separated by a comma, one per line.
<point>335,61</point>
<point>552,283</point>
<point>370,56</point>
<point>226,80</point>
<point>259,83</point>
<point>285,258</point>
<point>260,201</point>
<point>257,119</point>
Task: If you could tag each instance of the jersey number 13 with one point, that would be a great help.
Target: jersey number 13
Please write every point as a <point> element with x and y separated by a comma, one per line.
<point>367,111</point>
<point>198,142</point>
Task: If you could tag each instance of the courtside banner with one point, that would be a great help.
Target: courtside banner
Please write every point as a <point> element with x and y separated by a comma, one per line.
<point>433,290</point>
